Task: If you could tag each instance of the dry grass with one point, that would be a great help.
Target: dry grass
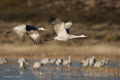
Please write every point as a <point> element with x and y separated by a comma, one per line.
<point>56,50</point>
<point>103,41</point>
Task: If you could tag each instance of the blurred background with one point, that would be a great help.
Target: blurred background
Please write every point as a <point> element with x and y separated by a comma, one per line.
<point>98,19</point>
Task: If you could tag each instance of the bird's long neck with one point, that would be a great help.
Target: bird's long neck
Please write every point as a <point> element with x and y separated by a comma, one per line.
<point>69,59</point>
<point>75,36</point>
<point>41,28</point>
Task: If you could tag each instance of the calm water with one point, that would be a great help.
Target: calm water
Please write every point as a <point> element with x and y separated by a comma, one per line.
<point>11,71</point>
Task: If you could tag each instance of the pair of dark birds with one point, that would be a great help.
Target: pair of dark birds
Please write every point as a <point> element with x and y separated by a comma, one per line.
<point>62,30</point>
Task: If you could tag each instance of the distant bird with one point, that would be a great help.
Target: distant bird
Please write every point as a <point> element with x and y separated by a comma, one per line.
<point>86,63</point>
<point>31,31</point>
<point>107,61</point>
<point>23,63</point>
<point>58,62</point>
<point>83,60</point>
<point>100,63</point>
<point>62,30</point>
<point>45,61</point>
<point>67,62</point>
<point>92,60</point>
<point>37,65</point>
<point>52,60</point>
<point>3,60</point>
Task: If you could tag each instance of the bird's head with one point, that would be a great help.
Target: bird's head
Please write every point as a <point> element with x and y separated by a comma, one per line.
<point>54,20</point>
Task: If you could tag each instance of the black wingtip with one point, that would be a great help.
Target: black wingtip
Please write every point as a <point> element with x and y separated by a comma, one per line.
<point>52,19</point>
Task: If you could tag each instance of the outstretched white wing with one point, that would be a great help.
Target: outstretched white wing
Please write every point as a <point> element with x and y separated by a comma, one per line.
<point>20,31</point>
<point>58,26</point>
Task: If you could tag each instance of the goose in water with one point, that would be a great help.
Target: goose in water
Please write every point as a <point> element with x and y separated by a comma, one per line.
<point>58,62</point>
<point>67,62</point>
<point>62,30</point>
<point>3,60</point>
<point>23,63</point>
<point>100,63</point>
<point>37,65</point>
<point>83,60</point>
<point>86,63</point>
<point>92,60</point>
<point>31,31</point>
<point>45,61</point>
<point>52,60</point>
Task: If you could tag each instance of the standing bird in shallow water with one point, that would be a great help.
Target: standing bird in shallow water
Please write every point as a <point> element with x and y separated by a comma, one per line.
<point>23,63</point>
<point>45,61</point>
<point>37,65</point>
<point>92,60</point>
<point>31,31</point>
<point>3,60</point>
<point>107,61</point>
<point>100,63</point>
<point>62,30</point>
<point>58,62</point>
<point>67,62</point>
<point>86,63</point>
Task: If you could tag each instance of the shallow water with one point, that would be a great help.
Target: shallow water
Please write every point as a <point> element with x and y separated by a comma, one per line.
<point>11,71</point>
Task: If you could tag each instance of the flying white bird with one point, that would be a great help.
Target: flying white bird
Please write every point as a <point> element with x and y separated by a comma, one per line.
<point>62,30</point>
<point>31,31</point>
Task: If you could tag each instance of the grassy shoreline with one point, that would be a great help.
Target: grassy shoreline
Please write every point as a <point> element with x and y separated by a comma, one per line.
<point>61,51</point>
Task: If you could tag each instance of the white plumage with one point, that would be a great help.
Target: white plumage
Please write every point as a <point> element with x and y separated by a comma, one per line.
<point>58,61</point>
<point>67,62</point>
<point>86,63</point>
<point>3,60</point>
<point>37,65</point>
<point>22,63</point>
<point>45,61</point>
<point>92,60</point>
<point>31,31</point>
<point>52,60</point>
<point>62,30</point>
<point>83,60</point>
<point>100,63</point>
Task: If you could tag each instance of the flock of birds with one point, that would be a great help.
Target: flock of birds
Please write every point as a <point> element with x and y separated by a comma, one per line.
<point>62,30</point>
<point>92,62</point>
<point>23,63</point>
